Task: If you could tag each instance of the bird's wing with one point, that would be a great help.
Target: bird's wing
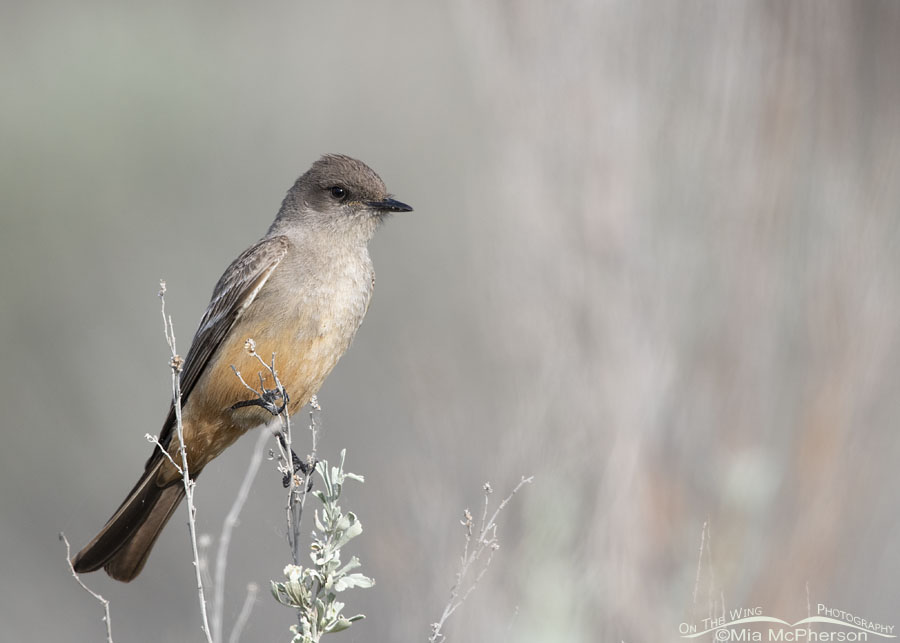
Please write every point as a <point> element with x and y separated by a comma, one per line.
<point>236,290</point>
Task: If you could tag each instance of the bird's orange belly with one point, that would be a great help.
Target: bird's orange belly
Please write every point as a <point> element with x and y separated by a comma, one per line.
<point>302,362</point>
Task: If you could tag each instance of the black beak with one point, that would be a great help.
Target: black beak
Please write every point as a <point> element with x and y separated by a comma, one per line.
<point>389,205</point>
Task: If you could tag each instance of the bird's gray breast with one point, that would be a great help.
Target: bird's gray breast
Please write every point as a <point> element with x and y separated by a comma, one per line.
<point>329,295</point>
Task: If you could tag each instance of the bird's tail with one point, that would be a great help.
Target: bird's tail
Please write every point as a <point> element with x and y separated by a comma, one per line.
<point>124,543</point>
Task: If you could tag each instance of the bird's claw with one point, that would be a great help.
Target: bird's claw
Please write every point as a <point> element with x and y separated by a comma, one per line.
<point>298,465</point>
<point>303,467</point>
<point>267,400</point>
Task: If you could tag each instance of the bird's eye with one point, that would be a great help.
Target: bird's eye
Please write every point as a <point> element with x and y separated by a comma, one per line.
<point>338,192</point>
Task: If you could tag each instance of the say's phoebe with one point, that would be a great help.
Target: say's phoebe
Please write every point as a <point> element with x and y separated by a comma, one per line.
<point>301,292</point>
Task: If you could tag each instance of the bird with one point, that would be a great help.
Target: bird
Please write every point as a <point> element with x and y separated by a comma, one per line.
<point>300,293</point>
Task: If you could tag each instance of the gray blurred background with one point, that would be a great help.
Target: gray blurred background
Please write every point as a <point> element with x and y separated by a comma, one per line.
<point>655,261</point>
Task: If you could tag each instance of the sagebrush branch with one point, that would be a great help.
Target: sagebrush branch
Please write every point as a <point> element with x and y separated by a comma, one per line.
<point>484,541</point>
<point>176,364</point>
<point>106,616</point>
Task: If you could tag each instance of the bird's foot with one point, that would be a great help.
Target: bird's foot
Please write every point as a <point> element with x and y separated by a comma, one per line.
<point>267,400</point>
<point>301,466</point>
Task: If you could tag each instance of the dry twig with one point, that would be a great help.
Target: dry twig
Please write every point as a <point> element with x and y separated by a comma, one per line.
<point>103,601</point>
<point>297,486</point>
<point>476,545</point>
<point>228,526</point>
<point>176,363</point>
<point>244,616</point>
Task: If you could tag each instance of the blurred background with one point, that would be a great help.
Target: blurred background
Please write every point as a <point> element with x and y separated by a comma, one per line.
<point>655,262</point>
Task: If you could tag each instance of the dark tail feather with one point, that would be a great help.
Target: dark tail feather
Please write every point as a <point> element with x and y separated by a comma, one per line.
<point>128,561</point>
<point>124,543</point>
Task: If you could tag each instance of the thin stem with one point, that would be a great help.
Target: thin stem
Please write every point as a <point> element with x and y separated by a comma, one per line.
<point>103,601</point>
<point>486,541</point>
<point>244,616</point>
<point>314,410</point>
<point>294,505</point>
<point>228,526</point>
<point>176,364</point>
